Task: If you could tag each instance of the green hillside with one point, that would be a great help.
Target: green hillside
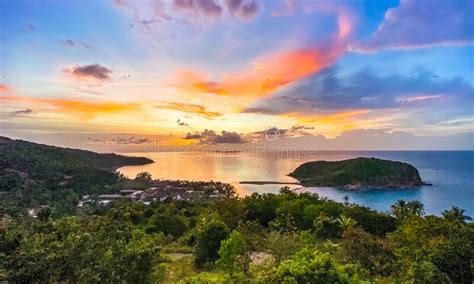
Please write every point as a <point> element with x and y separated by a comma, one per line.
<point>34,174</point>
<point>261,238</point>
<point>358,173</point>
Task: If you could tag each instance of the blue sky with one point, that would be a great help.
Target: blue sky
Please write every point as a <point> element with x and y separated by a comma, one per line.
<point>178,67</point>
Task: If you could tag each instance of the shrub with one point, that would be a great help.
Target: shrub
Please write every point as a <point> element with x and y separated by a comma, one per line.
<point>311,267</point>
<point>208,242</point>
<point>233,254</point>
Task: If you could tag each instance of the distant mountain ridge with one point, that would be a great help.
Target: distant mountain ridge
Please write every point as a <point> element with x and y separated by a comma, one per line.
<point>34,174</point>
<point>108,161</point>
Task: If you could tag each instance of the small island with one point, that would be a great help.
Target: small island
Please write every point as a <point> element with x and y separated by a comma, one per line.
<point>358,173</point>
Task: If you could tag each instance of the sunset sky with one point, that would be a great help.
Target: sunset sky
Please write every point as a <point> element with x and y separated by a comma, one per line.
<point>126,73</point>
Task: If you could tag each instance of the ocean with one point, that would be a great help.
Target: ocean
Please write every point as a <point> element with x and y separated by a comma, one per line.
<point>450,172</point>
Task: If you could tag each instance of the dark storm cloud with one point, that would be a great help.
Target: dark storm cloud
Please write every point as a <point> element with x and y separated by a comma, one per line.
<point>329,91</point>
<point>94,71</point>
<point>211,137</point>
<point>196,135</point>
<point>275,132</point>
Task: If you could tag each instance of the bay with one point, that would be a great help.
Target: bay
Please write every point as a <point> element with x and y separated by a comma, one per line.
<point>450,172</point>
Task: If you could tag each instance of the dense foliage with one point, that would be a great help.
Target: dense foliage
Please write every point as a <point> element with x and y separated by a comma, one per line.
<point>268,238</point>
<point>358,172</point>
<point>283,238</point>
<point>33,175</point>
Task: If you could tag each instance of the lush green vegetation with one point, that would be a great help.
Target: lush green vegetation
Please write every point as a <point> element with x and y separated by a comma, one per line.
<point>269,238</point>
<point>32,175</point>
<point>284,238</point>
<point>358,173</point>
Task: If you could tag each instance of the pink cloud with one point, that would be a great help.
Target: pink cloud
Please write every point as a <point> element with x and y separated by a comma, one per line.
<point>286,8</point>
<point>244,9</point>
<point>272,71</point>
<point>419,98</point>
<point>206,8</point>
<point>416,24</point>
<point>4,88</point>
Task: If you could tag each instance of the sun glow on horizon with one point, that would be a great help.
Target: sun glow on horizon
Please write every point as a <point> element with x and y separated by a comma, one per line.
<point>149,69</point>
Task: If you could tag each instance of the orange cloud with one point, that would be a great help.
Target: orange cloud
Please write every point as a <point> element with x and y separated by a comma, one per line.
<point>4,88</point>
<point>335,117</point>
<point>334,123</point>
<point>276,70</point>
<point>190,108</point>
<point>85,110</point>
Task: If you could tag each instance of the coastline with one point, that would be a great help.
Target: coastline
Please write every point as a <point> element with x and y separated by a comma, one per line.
<point>452,179</point>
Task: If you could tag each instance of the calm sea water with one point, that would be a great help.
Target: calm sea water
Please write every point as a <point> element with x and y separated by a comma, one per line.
<point>450,172</point>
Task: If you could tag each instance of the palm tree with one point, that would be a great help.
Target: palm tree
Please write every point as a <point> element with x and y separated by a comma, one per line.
<point>415,207</point>
<point>326,226</point>
<point>456,214</point>
<point>399,209</point>
<point>346,222</point>
<point>346,200</point>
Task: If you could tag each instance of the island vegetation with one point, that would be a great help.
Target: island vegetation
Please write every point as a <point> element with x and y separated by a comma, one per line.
<point>358,173</point>
<point>269,238</point>
<point>261,238</point>
<point>33,175</point>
